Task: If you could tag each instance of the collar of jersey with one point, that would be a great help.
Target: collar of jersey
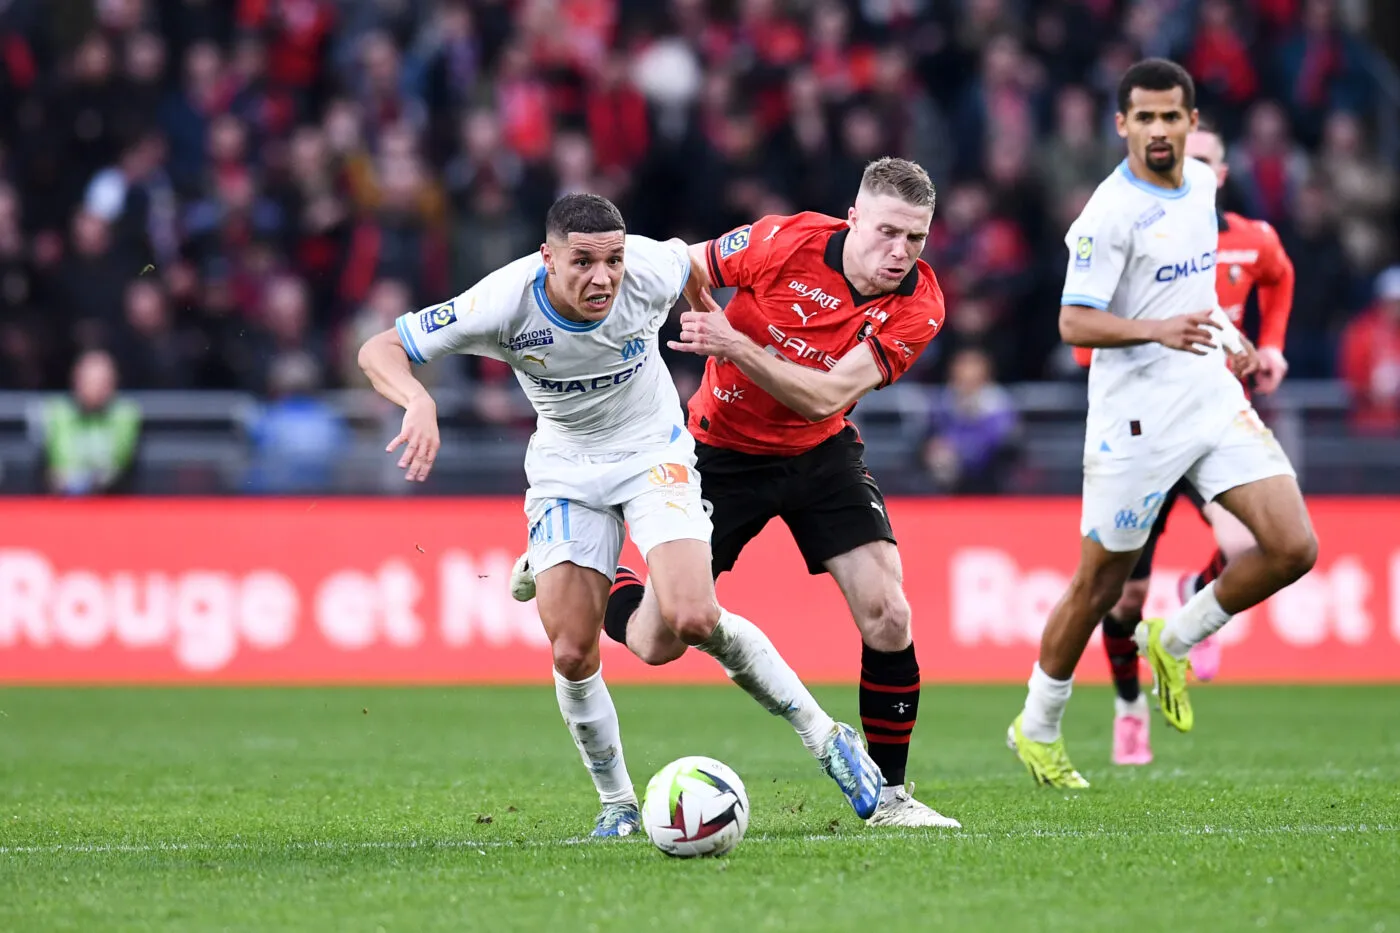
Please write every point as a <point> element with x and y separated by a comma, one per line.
<point>555,318</point>
<point>1169,193</point>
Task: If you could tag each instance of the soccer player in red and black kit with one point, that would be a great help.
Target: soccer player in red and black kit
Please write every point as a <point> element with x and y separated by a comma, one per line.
<point>826,310</point>
<point>1249,255</point>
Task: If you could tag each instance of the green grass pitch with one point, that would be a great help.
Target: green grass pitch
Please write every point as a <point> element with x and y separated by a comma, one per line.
<point>454,809</point>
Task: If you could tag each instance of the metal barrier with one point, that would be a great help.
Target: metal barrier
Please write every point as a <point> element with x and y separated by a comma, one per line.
<point>199,442</point>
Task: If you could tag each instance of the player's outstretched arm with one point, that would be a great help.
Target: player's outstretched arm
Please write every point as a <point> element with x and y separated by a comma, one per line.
<point>1082,326</point>
<point>386,363</point>
<point>813,394</point>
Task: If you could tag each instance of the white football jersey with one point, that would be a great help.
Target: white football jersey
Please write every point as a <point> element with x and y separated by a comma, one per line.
<point>595,386</point>
<point>1141,251</point>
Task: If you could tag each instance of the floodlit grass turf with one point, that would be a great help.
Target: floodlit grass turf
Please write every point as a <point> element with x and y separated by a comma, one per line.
<point>425,809</point>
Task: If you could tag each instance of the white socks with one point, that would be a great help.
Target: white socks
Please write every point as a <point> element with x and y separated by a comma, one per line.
<point>752,662</point>
<point>1194,622</point>
<point>592,720</point>
<point>1045,706</point>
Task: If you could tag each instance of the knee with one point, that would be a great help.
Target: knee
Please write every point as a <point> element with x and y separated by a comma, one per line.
<point>655,652</point>
<point>575,660</point>
<point>1134,598</point>
<point>884,621</point>
<point>693,622</point>
<point>1295,556</point>
<point>1098,592</point>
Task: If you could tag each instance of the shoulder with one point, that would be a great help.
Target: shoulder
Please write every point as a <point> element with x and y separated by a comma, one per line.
<point>657,265</point>
<point>1110,207</point>
<point>1201,176</point>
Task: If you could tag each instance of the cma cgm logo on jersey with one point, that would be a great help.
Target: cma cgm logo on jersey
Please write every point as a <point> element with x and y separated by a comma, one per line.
<point>568,386</point>
<point>439,317</point>
<point>1180,270</point>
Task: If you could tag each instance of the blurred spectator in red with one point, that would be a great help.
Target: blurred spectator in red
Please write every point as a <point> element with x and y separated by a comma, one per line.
<point>1268,166</point>
<point>842,67</point>
<point>382,95</point>
<point>522,99</point>
<point>299,34</point>
<point>315,215</point>
<point>617,120</point>
<point>1370,360</point>
<point>1219,60</point>
<point>1001,102</point>
<point>1321,68</point>
<point>400,235</point>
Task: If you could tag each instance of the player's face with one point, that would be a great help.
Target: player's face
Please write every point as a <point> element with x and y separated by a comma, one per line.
<point>585,272</point>
<point>1156,126</point>
<point>887,236</point>
<point>1207,147</point>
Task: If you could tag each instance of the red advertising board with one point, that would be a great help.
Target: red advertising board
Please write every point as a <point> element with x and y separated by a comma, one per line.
<point>402,591</point>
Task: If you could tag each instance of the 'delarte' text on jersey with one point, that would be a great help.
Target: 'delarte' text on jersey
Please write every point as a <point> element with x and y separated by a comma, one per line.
<point>594,385</point>
<point>793,298</point>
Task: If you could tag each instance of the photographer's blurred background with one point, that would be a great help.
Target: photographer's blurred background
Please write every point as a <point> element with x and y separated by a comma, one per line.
<point>206,205</point>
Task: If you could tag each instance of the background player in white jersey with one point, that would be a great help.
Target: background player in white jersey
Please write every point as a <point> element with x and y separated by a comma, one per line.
<point>578,323</point>
<point>1162,405</point>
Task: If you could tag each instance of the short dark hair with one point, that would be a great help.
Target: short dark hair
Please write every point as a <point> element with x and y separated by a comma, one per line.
<point>899,178</point>
<point>1156,74</point>
<point>582,213</point>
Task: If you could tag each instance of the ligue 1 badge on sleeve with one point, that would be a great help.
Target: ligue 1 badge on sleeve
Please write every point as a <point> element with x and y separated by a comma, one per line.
<point>439,317</point>
<point>1084,252</point>
<point>734,242</point>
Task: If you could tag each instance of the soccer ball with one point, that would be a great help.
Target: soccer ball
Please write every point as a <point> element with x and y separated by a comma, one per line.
<point>695,806</point>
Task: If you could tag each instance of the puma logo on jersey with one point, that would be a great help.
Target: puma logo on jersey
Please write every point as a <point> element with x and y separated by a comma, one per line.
<point>815,295</point>
<point>797,309</point>
<point>772,233</point>
<point>537,360</point>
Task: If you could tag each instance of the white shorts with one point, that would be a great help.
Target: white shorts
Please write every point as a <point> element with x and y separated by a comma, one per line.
<point>577,503</point>
<point>1124,487</point>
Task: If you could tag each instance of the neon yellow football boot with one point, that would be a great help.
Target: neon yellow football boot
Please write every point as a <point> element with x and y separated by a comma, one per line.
<point>1168,675</point>
<point>1047,762</point>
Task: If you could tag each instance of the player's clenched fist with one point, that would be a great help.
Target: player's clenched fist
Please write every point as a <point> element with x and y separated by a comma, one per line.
<point>1189,332</point>
<point>1246,362</point>
<point>420,433</point>
<point>707,333</point>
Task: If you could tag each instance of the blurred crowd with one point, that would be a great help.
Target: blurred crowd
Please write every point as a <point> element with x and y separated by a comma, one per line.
<point>235,193</point>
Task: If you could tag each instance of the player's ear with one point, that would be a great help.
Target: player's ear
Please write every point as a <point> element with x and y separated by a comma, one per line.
<point>548,258</point>
<point>1195,119</point>
<point>851,217</point>
<point>1121,122</point>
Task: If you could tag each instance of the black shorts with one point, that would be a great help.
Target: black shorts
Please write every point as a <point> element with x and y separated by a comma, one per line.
<point>1143,570</point>
<point>825,496</point>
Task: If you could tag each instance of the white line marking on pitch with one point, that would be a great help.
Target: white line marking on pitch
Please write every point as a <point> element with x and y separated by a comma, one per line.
<point>763,839</point>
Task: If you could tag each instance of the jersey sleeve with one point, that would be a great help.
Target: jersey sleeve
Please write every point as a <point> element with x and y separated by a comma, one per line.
<point>1275,289</point>
<point>472,323</point>
<point>662,268</point>
<point>739,258</point>
<point>1098,244</point>
<point>898,344</point>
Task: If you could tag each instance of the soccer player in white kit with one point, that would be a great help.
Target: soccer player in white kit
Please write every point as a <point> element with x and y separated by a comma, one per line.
<point>578,322</point>
<point>1163,404</point>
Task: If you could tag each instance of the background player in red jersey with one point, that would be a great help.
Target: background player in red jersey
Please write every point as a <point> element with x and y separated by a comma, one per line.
<point>826,309</point>
<point>1249,255</point>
